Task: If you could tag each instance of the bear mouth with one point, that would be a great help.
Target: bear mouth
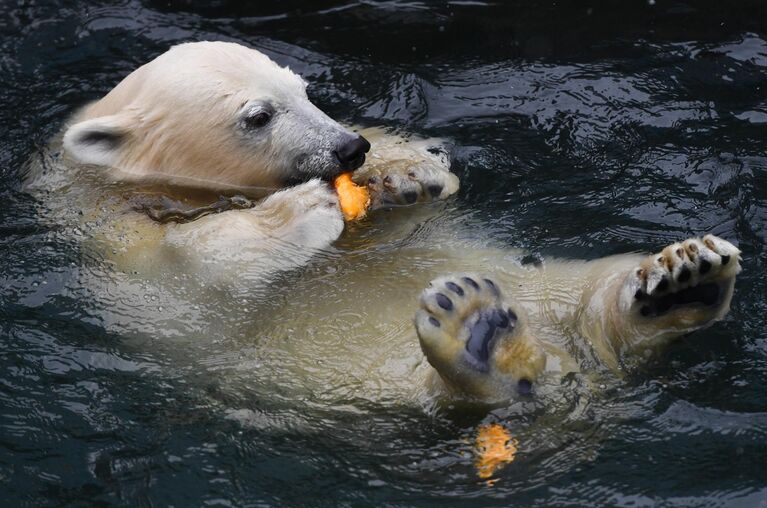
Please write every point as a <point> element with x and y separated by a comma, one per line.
<point>305,169</point>
<point>703,294</point>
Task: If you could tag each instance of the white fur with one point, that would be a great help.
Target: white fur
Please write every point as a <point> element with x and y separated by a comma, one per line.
<point>180,120</point>
<point>602,309</point>
<point>177,120</point>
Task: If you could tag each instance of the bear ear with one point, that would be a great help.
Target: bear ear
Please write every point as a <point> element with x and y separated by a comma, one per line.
<point>97,141</point>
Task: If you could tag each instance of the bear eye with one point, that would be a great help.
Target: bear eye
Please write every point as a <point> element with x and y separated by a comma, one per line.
<point>257,120</point>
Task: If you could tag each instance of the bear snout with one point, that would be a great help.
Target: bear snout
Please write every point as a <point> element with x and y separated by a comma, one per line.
<point>351,153</point>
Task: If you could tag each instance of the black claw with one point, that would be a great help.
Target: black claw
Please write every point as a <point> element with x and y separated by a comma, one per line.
<point>444,302</point>
<point>434,190</point>
<point>662,285</point>
<point>705,266</point>
<point>471,282</point>
<point>491,285</point>
<point>455,288</point>
<point>512,316</point>
<point>725,260</point>
<point>410,197</point>
<point>434,321</point>
<point>500,319</point>
<point>524,387</point>
<point>684,275</point>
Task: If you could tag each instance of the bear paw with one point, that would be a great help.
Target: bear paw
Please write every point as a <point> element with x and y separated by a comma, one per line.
<point>306,216</point>
<point>407,181</point>
<point>695,273</point>
<point>287,227</point>
<point>475,338</point>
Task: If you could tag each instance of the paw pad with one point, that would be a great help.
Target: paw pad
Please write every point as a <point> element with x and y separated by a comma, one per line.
<point>471,282</point>
<point>444,302</point>
<point>472,320</point>
<point>455,288</point>
<point>435,190</point>
<point>480,346</point>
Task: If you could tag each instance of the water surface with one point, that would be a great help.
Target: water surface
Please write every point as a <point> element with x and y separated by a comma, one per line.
<point>577,131</point>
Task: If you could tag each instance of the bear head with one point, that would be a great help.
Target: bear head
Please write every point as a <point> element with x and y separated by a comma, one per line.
<point>213,115</point>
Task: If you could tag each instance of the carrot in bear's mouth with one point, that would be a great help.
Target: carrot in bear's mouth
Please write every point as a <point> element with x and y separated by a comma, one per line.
<point>353,199</point>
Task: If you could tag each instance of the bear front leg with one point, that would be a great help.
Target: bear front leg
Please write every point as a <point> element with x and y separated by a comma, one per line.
<point>402,170</point>
<point>686,286</point>
<point>305,217</point>
<point>280,233</point>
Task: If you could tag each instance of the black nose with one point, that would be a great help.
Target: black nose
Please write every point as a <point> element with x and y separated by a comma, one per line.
<point>351,154</point>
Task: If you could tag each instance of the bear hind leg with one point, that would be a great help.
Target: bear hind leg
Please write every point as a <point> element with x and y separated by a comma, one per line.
<point>476,339</point>
<point>686,286</point>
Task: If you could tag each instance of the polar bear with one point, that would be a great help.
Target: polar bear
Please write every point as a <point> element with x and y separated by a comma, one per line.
<point>208,118</point>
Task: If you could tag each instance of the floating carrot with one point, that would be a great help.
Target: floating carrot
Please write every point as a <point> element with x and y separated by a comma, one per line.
<point>494,448</point>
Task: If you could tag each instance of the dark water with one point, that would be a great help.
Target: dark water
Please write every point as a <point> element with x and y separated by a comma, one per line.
<point>579,131</point>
